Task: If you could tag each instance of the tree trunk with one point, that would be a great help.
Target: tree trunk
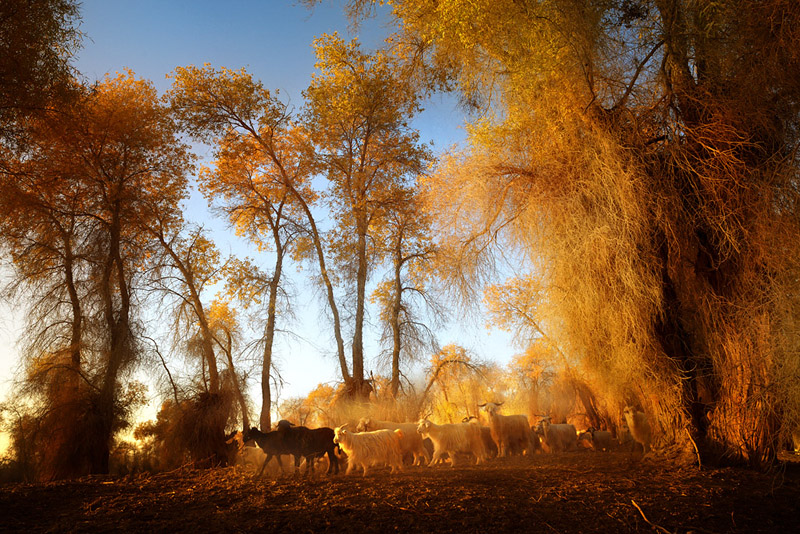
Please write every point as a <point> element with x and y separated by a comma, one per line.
<point>395,318</point>
<point>119,350</point>
<point>287,182</point>
<point>361,284</point>
<point>77,319</point>
<point>206,338</point>
<point>680,345</point>
<point>265,420</point>
<point>208,350</point>
<point>237,390</point>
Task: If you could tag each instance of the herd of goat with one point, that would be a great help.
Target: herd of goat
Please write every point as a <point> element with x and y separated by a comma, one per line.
<point>383,443</point>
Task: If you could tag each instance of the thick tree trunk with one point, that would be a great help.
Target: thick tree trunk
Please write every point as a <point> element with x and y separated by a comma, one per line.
<point>208,349</point>
<point>677,330</point>
<point>119,350</point>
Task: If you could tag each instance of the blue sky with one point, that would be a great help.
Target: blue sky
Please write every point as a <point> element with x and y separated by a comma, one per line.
<point>272,40</point>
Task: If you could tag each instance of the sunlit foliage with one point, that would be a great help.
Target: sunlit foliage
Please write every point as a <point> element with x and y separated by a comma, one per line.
<point>37,40</point>
<point>357,113</point>
<point>77,208</point>
<point>643,156</point>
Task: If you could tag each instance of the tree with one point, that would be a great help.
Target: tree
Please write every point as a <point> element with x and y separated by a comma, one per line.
<point>407,245</point>
<point>191,264</point>
<point>37,39</point>
<point>46,239</point>
<point>357,113</point>
<point>42,200</point>
<point>453,367</point>
<point>225,328</point>
<point>643,155</point>
<point>93,179</point>
<point>136,168</point>
<point>533,371</point>
<point>315,410</point>
<point>260,179</point>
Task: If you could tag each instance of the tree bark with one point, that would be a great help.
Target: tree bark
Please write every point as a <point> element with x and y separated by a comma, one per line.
<point>358,333</point>
<point>265,420</point>
<point>119,350</point>
<point>395,316</point>
<point>237,390</point>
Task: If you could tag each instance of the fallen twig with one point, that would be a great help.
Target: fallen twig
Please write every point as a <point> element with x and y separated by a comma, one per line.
<point>696,450</point>
<point>657,527</point>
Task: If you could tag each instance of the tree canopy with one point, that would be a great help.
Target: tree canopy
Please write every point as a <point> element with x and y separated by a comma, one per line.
<point>643,155</point>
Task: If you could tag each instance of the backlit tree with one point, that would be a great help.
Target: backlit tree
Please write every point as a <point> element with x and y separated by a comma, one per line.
<point>643,155</point>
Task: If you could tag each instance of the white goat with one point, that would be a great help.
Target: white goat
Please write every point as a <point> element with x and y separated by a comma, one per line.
<point>558,437</point>
<point>411,443</point>
<point>639,427</point>
<point>486,434</point>
<point>509,432</point>
<point>380,447</point>
<point>452,438</point>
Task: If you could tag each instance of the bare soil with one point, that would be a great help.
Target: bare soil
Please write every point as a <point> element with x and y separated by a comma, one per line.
<point>591,492</point>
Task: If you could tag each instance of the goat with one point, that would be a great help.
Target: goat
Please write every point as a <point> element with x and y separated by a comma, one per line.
<point>452,438</point>
<point>486,434</point>
<point>597,440</point>
<point>557,437</point>
<point>585,440</point>
<point>602,440</point>
<point>300,442</point>
<point>370,448</point>
<point>509,432</point>
<point>312,443</point>
<point>247,453</point>
<point>272,445</point>
<point>639,427</point>
<point>411,442</point>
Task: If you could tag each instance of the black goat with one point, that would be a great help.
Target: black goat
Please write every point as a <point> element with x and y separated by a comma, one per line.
<point>270,442</point>
<point>298,441</point>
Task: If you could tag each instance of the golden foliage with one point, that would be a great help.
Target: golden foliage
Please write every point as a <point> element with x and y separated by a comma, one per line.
<point>643,158</point>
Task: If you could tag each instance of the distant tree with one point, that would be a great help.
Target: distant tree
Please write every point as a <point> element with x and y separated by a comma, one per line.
<point>260,180</point>
<point>191,263</point>
<point>456,383</point>
<point>357,113</point>
<point>225,328</point>
<point>406,243</point>
<point>534,373</point>
<point>314,410</point>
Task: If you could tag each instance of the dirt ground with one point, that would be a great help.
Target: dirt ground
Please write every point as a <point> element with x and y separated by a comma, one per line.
<point>571,492</point>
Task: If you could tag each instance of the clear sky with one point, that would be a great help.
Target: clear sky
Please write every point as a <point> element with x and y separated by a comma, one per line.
<point>272,40</point>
